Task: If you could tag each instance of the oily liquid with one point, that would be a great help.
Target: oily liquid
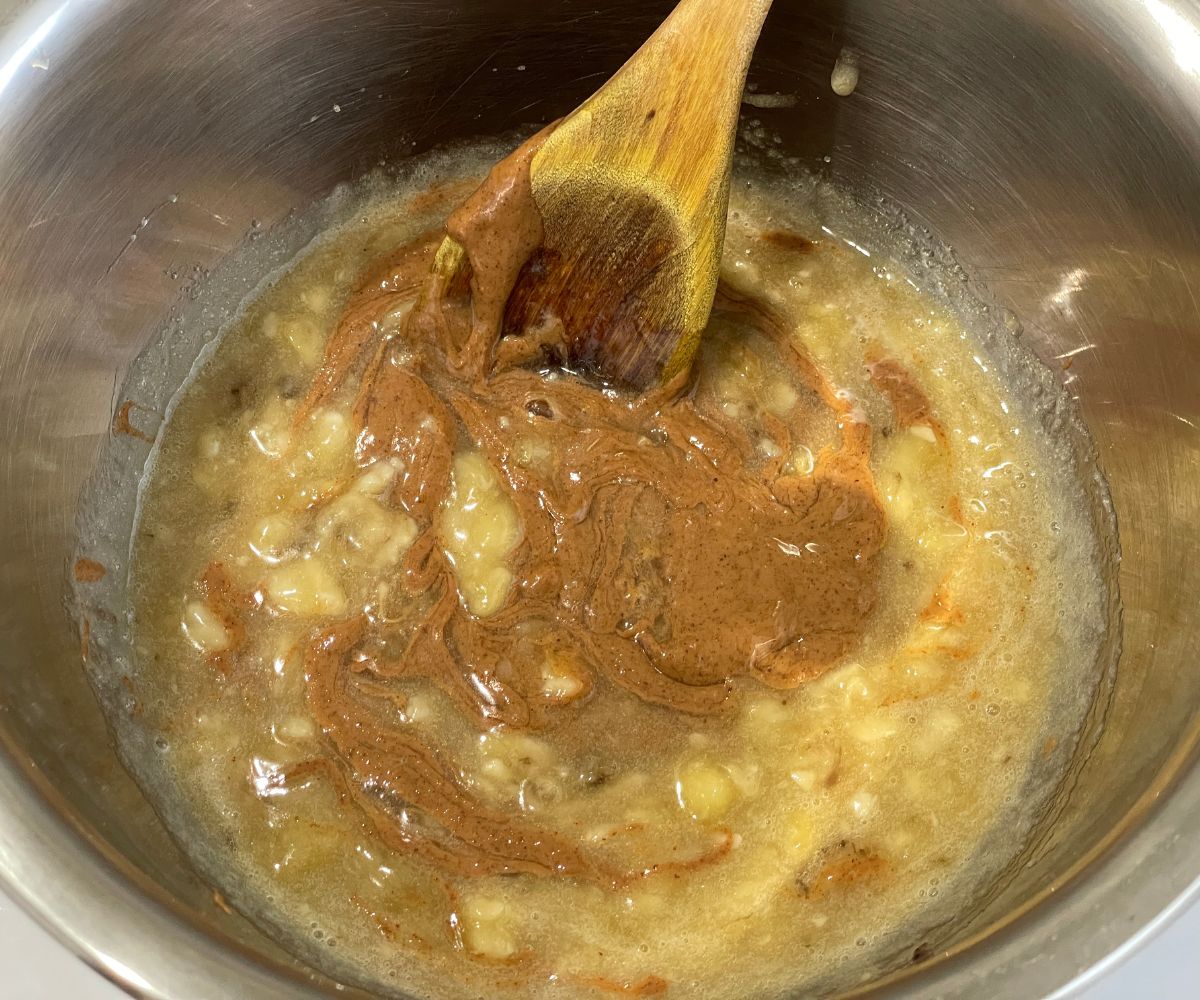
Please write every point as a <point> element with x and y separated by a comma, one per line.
<point>800,833</point>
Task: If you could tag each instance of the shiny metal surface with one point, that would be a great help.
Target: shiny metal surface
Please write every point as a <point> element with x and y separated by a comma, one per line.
<point>1055,144</point>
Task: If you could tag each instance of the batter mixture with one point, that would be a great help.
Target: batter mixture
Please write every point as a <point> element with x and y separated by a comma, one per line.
<point>476,675</point>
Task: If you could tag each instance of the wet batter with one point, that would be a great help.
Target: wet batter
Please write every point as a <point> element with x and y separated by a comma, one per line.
<point>482,675</point>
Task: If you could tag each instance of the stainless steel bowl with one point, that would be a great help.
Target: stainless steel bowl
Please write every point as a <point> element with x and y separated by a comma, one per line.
<point>1054,143</point>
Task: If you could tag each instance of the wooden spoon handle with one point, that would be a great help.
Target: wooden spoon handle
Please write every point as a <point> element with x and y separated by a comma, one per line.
<point>667,117</point>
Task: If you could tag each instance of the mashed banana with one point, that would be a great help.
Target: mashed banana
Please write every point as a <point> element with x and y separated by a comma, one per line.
<point>487,680</point>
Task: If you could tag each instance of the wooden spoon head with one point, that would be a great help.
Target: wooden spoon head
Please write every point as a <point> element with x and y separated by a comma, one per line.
<point>631,190</point>
<point>629,278</point>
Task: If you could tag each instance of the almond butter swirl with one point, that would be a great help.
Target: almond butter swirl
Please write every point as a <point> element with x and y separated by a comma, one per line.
<point>662,551</point>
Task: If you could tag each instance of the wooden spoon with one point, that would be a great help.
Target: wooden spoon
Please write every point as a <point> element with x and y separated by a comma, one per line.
<point>633,188</point>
